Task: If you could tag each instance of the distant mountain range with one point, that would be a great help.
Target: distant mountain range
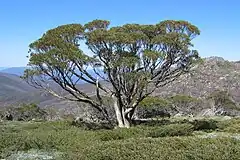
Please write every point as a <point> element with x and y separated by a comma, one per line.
<point>15,91</point>
<point>19,71</point>
<point>13,70</point>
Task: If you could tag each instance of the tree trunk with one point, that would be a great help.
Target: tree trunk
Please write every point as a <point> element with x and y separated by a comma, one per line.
<point>119,116</point>
<point>122,118</point>
<point>127,121</point>
<point>123,122</point>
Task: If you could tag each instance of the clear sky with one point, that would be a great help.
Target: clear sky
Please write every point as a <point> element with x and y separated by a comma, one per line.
<point>23,21</point>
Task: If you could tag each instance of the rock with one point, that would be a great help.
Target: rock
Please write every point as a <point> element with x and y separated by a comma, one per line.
<point>190,115</point>
<point>215,58</point>
<point>227,118</point>
<point>212,112</point>
<point>77,120</point>
<point>207,112</point>
<point>178,115</point>
<point>209,135</point>
<point>213,74</point>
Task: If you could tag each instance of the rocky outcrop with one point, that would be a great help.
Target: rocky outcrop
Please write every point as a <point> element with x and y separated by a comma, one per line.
<point>214,73</point>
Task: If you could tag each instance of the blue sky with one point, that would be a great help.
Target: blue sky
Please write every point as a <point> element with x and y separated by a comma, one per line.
<point>25,21</point>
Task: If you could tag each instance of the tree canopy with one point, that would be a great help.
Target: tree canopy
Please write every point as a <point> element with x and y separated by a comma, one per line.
<point>129,62</point>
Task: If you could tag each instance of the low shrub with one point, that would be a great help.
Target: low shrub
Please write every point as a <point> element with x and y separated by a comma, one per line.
<point>110,135</point>
<point>185,104</point>
<point>224,100</point>
<point>172,148</point>
<point>43,136</point>
<point>231,126</point>
<point>234,128</point>
<point>153,123</point>
<point>152,107</point>
<point>139,142</point>
<point>172,130</point>
<point>121,133</point>
<point>205,124</point>
<point>25,112</point>
<point>92,125</point>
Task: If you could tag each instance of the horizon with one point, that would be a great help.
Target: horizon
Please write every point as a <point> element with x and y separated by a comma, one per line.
<point>26,21</point>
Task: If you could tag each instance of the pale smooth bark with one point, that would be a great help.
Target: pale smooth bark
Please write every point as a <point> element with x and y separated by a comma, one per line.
<point>123,118</point>
<point>118,114</point>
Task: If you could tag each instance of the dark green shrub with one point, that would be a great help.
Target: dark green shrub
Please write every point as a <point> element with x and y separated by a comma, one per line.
<point>154,123</point>
<point>185,104</point>
<point>182,99</point>
<point>223,99</point>
<point>27,112</point>
<point>111,135</point>
<point>150,102</point>
<point>92,125</point>
<point>205,124</point>
<point>152,107</point>
<point>172,130</point>
<point>121,133</point>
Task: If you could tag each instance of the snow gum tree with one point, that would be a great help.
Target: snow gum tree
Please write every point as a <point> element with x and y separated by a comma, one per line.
<point>127,63</point>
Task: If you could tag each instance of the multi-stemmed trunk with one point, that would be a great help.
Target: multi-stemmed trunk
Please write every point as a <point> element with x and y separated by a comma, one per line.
<point>123,115</point>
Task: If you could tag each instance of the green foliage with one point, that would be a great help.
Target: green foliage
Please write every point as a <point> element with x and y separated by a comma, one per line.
<point>172,130</point>
<point>160,107</point>
<point>155,123</point>
<point>97,24</point>
<point>124,133</point>
<point>25,112</point>
<point>182,99</point>
<point>173,148</point>
<point>152,107</point>
<point>153,55</point>
<point>118,134</point>
<point>150,102</point>
<point>185,103</point>
<point>231,126</point>
<point>222,98</point>
<point>92,125</point>
<point>110,136</point>
<point>171,141</point>
<point>205,124</point>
